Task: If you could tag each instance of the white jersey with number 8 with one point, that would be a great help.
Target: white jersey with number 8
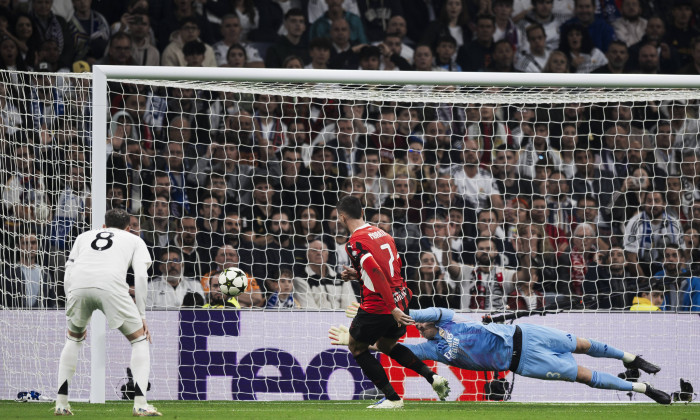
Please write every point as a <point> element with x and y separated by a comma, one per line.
<point>100,259</point>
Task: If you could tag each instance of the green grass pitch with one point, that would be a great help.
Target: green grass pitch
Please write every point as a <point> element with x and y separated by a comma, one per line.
<point>350,410</point>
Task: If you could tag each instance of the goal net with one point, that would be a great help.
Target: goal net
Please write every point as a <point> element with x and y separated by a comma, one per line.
<point>512,198</point>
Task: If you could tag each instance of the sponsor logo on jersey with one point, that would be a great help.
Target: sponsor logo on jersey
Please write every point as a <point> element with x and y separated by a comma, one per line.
<point>452,343</point>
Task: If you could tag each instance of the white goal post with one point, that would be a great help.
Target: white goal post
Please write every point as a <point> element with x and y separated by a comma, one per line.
<point>472,87</point>
<point>509,194</point>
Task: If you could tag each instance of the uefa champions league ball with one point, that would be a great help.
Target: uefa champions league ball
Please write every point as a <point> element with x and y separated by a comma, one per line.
<point>233,281</point>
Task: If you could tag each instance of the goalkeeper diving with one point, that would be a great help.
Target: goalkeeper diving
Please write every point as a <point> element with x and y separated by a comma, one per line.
<point>529,350</point>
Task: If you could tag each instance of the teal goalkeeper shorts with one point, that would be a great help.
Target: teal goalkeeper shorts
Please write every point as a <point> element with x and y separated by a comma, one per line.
<point>547,354</point>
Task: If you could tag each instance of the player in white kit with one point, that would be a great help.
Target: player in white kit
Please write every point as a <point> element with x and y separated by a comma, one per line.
<point>96,279</point>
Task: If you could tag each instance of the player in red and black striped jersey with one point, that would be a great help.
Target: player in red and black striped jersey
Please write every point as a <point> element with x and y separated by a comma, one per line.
<point>383,314</point>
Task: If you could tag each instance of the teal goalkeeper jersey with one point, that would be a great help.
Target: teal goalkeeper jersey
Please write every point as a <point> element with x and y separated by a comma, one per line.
<point>463,343</point>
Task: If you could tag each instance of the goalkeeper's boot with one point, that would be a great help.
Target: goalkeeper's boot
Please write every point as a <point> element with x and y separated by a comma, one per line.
<point>656,394</point>
<point>147,411</point>
<point>642,364</point>
<point>387,404</point>
<point>63,411</point>
<point>441,386</point>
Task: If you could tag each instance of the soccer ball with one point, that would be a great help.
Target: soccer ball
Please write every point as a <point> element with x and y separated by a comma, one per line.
<point>233,281</point>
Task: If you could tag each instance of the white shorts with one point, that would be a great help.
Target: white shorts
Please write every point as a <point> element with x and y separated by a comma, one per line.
<point>119,309</point>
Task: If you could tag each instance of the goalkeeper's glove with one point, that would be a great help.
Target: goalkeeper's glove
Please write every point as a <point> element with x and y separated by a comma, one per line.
<point>340,336</point>
<point>351,310</point>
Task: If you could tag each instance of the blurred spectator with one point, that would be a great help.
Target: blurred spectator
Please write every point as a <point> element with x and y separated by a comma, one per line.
<point>90,31</point>
<point>391,53</point>
<point>269,128</point>
<point>558,196</point>
<point>186,241</point>
<point>558,62</point>
<point>227,257</point>
<point>575,262</point>
<point>375,16</point>
<point>589,179</point>
<point>476,54</point>
<point>173,166</point>
<point>397,26</point>
<point>647,60</point>
<point>614,156</point>
<point>599,31</point>
<point>194,53</point>
<point>119,52</point>
<point>536,150</point>
<point>51,26</point>
<point>681,288</point>
<point>173,15</point>
<point>535,58</point>
<point>505,27</point>
<point>143,51</point>
<point>485,285</point>
<point>476,185</point>
<point>168,290</point>
<point>173,54</point>
<point>320,53</point>
<point>454,21</point>
<point>344,55</point>
<point>24,195</point>
<point>539,214</point>
<point>321,28</point>
<point>231,35</point>
<point>526,295</point>
<point>281,288</point>
<point>617,56</point>
<point>690,180</point>
<point>502,58</point>
<point>649,232</point>
<point>157,228</point>
<point>27,282</point>
<point>307,226</point>
<point>682,30</point>
<point>693,66</point>
<point>237,56</point>
<point>423,59</point>
<point>610,283</point>
<point>648,300</point>
<point>292,43</point>
<point>630,28</point>
<point>577,44</point>
<point>340,237</point>
<point>541,14</point>
<point>320,287</point>
<point>428,284</point>
<point>489,131</point>
<point>691,237</point>
<point>628,198</point>
<point>260,209</point>
<point>10,57</point>
<point>317,8</point>
<point>248,15</point>
<point>23,31</point>
<point>210,231</point>
<point>369,58</point>
<point>324,177</point>
<point>655,34</point>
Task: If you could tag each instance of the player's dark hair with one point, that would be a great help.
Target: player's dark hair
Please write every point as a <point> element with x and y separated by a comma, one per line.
<point>350,206</point>
<point>117,218</point>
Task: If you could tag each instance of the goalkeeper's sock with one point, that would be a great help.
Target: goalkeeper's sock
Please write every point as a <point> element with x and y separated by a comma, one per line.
<point>375,372</point>
<point>599,349</point>
<point>604,380</point>
<point>639,387</point>
<point>66,367</point>
<point>407,359</point>
<point>628,357</point>
<point>140,368</point>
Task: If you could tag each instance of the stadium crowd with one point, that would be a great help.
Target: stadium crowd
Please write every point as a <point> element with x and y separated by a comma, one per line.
<point>593,205</point>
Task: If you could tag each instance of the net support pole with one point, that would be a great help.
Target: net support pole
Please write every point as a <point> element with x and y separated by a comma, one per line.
<point>98,329</point>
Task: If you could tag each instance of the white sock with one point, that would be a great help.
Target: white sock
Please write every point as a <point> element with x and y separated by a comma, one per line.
<point>140,368</point>
<point>639,387</point>
<point>628,357</point>
<point>66,366</point>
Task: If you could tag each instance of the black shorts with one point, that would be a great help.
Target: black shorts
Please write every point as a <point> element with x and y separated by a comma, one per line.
<point>368,328</point>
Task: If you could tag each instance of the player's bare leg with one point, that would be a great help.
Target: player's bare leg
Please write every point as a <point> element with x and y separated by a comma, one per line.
<point>375,372</point>
<point>597,349</point>
<point>66,369</point>
<point>407,359</point>
<point>603,380</point>
<point>140,368</point>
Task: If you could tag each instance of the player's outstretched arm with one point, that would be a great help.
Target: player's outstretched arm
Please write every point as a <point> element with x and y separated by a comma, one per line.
<point>431,314</point>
